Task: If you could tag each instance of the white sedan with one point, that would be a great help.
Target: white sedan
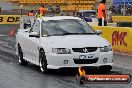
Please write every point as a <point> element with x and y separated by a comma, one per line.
<point>63,42</point>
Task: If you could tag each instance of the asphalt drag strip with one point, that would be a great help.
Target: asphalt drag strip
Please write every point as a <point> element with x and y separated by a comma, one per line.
<point>22,76</point>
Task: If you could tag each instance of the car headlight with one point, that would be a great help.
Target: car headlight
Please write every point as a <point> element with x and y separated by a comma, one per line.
<point>61,51</point>
<point>105,49</point>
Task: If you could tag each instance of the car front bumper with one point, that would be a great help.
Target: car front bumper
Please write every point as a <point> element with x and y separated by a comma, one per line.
<point>57,61</point>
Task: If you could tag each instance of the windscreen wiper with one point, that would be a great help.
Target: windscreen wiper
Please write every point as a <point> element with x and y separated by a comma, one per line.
<point>87,33</point>
<point>70,33</point>
<point>77,33</point>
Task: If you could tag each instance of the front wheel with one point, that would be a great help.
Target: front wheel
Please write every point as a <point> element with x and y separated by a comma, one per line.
<point>21,61</point>
<point>42,62</point>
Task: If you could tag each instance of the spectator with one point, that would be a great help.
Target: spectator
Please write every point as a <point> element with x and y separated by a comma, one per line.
<point>42,10</point>
<point>109,16</point>
<point>30,13</point>
<point>57,8</point>
<point>121,10</point>
<point>50,9</point>
<point>101,11</point>
<point>21,7</point>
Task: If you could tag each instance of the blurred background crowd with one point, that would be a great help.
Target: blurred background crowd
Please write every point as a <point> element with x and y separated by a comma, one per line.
<point>10,7</point>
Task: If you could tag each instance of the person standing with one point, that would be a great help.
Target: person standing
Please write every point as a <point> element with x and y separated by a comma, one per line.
<point>30,13</point>
<point>42,10</point>
<point>21,7</point>
<point>109,15</point>
<point>57,8</point>
<point>101,12</point>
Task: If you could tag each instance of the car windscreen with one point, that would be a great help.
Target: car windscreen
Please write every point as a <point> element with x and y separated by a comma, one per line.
<point>66,27</point>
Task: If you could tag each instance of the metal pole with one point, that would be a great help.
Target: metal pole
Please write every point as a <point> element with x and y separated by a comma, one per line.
<point>21,6</point>
<point>66,7</point>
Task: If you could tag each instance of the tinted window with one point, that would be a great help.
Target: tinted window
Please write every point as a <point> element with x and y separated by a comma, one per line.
<point>62,27</point>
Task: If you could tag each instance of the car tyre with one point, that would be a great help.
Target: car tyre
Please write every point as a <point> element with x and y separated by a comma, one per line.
<point>21,61</point>
<point>42,62</point>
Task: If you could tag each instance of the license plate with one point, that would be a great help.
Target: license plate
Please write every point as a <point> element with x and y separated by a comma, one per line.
<point>89,56</point>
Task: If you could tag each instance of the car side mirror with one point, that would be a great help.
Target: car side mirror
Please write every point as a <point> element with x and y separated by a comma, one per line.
<point>34,34</point>
<point>98,32</point>
<point>27,25</point>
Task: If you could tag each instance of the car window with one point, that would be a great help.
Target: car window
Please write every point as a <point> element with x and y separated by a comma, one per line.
<point>36,27</point>
<point>62,27</point>
<point>89,14</point>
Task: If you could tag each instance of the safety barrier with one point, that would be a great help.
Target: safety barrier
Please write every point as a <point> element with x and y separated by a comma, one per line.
<point>119,37</point>
<point>9,19</point>
<point>122,18</point>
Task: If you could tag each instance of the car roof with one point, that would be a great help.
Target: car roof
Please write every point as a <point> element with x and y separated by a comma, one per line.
<point>59,18</point>
<point>86,11</point>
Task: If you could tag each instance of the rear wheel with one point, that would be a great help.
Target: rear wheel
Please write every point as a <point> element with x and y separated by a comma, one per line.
<point>42,62</point>
<point>20,57</point>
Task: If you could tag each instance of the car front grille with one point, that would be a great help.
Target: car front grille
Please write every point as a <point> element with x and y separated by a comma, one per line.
<point>85,61</point>
<point>85,50</point>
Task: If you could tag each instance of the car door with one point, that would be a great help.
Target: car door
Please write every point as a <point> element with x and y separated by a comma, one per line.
<point>23,42</point>
<point>33,43</point>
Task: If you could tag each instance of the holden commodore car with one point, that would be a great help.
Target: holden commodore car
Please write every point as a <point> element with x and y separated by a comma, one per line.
<point>63,42</point>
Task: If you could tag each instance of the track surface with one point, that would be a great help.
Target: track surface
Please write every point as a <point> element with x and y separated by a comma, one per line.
<point>13,75</point>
